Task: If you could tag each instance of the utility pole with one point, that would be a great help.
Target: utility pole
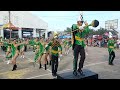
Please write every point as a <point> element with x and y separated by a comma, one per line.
<point>10,23</point>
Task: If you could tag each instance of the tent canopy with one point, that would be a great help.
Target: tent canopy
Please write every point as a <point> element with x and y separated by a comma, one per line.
<point>9,26</point>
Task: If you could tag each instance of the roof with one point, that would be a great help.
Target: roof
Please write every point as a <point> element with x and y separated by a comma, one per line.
<point>24,19</point>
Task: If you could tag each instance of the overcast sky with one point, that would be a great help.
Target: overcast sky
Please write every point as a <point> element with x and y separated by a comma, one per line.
<point>59,20</point>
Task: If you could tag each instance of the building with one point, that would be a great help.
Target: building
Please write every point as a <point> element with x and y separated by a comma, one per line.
<point>113,25</point>
<point>30,25</point>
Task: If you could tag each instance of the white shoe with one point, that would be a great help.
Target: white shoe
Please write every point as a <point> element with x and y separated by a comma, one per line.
<point>8,62</point>
<point>86,53</point>
<point>67,52</point>
<point>59,59</point>
<point>55,77</point>
<point>23,56</point>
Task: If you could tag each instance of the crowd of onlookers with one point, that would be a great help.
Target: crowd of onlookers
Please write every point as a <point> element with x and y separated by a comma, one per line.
<point>89,41</point>
<point>101,43</point>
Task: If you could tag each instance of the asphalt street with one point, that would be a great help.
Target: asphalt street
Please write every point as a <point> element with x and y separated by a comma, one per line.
<point>96,61</point>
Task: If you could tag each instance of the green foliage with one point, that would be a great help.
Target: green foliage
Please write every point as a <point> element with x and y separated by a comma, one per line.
<point>100,31</point>
<point>68,30</point>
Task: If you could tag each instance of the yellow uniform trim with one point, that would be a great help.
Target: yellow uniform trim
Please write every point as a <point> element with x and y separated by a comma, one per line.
<point>53,51</point>
<point>111,47</point>
<point>78,38</point>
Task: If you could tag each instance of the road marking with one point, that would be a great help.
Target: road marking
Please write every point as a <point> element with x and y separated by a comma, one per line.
<point>38,64</point>
<point>39,76</point>
<point>95,64</point>
<point>84,66</point>
<point>15,74</point>
<point>66,70</point>
<point>87,65</point>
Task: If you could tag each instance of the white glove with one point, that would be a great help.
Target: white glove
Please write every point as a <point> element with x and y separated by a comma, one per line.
<point>81,27</point>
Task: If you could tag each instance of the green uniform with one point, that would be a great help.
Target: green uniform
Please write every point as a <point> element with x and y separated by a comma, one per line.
<point>32,43</point>
<point>54,54</point>
<point>65,43</point>
<point>40,51</point>
<point>78,45</point>
<point>21,46</point>
<point>69,44</point>
<point>14,49</point>
<point>7,45</point>
<point>54,49</point>
<point>111,47</point>
<point>79,36</point>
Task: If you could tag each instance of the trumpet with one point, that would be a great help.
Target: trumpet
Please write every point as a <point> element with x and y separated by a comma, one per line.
<point>94,23</point>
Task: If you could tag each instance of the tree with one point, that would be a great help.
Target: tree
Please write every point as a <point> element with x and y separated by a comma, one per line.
<point>100,31</point>
<point>68,30</point>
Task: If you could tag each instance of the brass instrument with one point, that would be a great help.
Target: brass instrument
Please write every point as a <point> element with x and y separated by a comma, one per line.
<point>94,23</point>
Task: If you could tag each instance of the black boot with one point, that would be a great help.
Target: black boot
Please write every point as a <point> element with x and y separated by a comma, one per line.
<point>45,67</point>
<point>40,66</point>
<point>75,72</point>
<point>81,72</point>
<point>53,74</point>
<point>47,62</point>
<point>50,62</point>
<point>110,63</point>
<point>14,67</point>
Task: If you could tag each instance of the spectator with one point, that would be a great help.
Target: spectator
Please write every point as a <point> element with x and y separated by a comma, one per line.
<point>105,42</point>
<point>118,44</point>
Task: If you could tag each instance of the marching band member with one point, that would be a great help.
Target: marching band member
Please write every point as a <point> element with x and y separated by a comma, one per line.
<point>111,48</point>
<point>22,47</point>
<point>42,49</point>
<point>78,34</point>
<point>15,53</point>
<point>55,46</point>
<point>47,53</point>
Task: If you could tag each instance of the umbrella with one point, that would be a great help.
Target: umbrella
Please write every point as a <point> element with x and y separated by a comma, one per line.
<point>9,26</point>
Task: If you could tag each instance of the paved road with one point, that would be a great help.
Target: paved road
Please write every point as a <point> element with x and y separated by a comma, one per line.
<point>96,61</point>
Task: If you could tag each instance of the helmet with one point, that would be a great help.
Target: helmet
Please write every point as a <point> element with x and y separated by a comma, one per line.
<point>55,34</point>
<point>80,19</point>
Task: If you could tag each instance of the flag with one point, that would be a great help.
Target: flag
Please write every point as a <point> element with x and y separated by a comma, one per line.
<point>110,35</point>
